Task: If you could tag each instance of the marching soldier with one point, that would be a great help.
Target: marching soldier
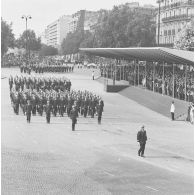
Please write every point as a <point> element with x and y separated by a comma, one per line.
<point>48,109</point>
<point>28,111</point>
<point>73,116</point>
<point>100,110</point>
<point>40,90</point>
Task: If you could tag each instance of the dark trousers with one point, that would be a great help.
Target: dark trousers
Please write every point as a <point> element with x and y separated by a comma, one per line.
<point>68,111</point>
<point>74,120</point>
<point>172,116</point>
<point>34,110</point>
<point>142,148</point>
<point>99,119</point>
<point>48,117</point>
<point>85,112</point>
<point>28,117</point>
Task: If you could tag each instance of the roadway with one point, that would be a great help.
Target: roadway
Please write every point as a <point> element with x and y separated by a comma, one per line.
<point>40,158</point>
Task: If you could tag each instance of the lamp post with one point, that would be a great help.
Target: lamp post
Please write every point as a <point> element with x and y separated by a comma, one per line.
<point>26,19</point>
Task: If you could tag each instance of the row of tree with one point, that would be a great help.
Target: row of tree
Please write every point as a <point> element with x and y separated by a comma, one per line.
<point>27,40</point>
<point>120,27</point>
<point>124,27</point>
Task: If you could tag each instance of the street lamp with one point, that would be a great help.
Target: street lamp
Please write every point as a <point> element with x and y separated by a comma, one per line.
<point>26,18</point>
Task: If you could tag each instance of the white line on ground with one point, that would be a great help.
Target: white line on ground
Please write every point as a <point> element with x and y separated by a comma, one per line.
<point>108,173</point>
<point>152,188</point>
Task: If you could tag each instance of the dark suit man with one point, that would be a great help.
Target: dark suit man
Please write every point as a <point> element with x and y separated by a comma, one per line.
<point>141,138</point>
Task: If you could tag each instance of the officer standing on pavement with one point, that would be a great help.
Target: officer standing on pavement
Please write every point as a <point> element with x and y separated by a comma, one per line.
<point>28,111</point>
<point>48,111</point>
<point>73,116</point>
<point>100,110</point>
<point>141,138</point>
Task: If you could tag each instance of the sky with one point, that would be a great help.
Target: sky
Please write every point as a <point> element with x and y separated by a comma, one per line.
<point>44,12</point>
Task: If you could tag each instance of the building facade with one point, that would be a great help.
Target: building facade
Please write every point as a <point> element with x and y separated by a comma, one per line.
<point>57,31</point>
<point>83,20</point>
<point>174,15</point>
<point>77,20</point>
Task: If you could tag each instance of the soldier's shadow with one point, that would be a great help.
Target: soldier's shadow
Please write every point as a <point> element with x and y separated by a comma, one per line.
<point>86,130</point>
<point>172,157</point>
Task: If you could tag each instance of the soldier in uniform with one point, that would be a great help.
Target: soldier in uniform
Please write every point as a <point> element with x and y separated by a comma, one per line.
<point>48,109</point>
<point>28,111</point>
<point>10,82</point>
<point>73,116</point>
<point>100,107</point>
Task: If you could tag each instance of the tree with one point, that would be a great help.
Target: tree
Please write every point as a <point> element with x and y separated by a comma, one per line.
<point>47,51</point>
<point>125,27</point>
<point>120,27</point>
<point>72,42</point>
<point>33,43</point>
<point>185,38</point>
<point>88,40</point>
<point>7,37</point>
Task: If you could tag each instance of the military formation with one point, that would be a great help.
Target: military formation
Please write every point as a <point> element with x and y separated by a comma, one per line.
<point>52,96</point>
<point>43,68</point>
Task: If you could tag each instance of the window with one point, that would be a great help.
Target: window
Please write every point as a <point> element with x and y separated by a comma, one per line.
<point>173,32</point>
<point>169,32</point>
<point>170,14</point>
<point>165,33</point>
<point>179,29</point>
<point>188,11</point>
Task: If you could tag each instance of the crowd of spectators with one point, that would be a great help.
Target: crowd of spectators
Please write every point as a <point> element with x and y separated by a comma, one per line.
<point>151,77</point>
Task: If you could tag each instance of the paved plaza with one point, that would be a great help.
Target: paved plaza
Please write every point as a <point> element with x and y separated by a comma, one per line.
<point>40,158</point>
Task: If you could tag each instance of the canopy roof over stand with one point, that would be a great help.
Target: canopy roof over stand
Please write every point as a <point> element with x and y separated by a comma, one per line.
<point>153,54</point>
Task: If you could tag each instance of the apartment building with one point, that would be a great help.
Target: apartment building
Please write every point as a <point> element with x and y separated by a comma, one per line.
<point>83,20</point>
<point>174,15</point>
<point>57,31</point>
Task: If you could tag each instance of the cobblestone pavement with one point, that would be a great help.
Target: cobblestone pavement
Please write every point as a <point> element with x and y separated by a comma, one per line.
<point>38,158</point>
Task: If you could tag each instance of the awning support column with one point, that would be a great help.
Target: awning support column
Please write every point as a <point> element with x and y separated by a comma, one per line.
<point>138,74</point>
<point>120,73</point>
<point>111,74</point>
<point>163,80</point>
<point>173,91</point>
<point>153,74</point>
<point>145,75</point>
<point>123,72</point>
<point>134,72</point>
<point>186,67</point>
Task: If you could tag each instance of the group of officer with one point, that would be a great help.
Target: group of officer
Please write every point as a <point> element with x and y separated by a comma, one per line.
<point>42,68</point>
<point>52,96</point>
<point>25,68</point>
<point>19,83</point>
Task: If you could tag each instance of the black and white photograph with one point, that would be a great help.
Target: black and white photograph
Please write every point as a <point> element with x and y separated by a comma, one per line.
<point>97,97</point>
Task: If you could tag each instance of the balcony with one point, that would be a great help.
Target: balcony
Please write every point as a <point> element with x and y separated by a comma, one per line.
<point>176,18</point>
<point>178,4</point>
